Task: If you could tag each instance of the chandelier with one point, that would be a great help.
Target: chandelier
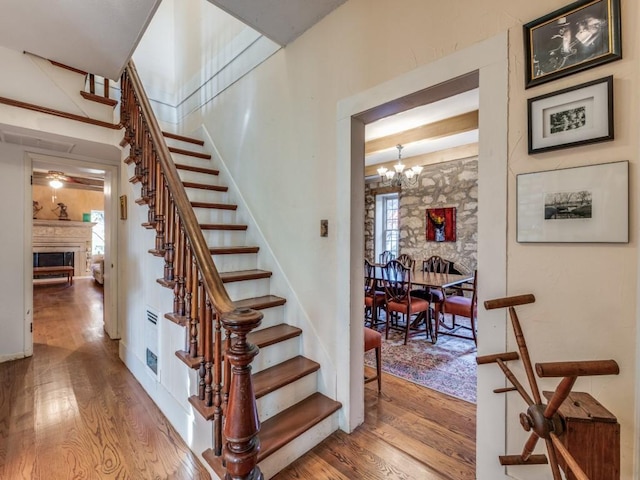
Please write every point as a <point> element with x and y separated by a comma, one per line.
<point>55,179</point>
<point>399,177</point>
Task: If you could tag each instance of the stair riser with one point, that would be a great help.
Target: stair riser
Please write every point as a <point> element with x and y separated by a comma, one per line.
<point>191,160</point>
<point>189,176</point>
<point>272,316</point>
<point>213,215</point>
<point>248,288</point>
<point>225,238</point>
<point>200,195</point>
<point>287,396</point>
<point>274,354</point>
<point>271,465</point>
<point>231,263</point>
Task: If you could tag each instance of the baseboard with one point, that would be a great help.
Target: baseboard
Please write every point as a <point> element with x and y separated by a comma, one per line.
<point>14,356</point>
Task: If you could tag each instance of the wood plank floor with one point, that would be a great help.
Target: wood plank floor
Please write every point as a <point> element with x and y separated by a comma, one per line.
<point>73,410</point>
<point>409,432</point>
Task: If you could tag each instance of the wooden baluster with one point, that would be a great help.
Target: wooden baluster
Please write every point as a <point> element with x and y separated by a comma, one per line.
<point>92,83</point>
<point>193,319</point>
<point>159,208</point>
<point>154,167</point>
<point>106,88</point>
<point>170,227</point>
<point>182,278</point>
<point>178,288</point>
<point>203,339</point>
<point>187,286</point>
<point>227,371</point>
<point>242,425</point>
<point>217,387</point>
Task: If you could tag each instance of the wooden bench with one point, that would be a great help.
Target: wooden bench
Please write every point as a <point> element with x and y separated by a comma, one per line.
<point>39,272</point>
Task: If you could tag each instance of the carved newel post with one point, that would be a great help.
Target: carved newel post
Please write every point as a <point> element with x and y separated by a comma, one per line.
<point>241,425</point>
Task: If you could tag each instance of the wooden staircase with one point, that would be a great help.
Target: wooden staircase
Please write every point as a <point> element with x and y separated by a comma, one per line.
<point>248,287</point>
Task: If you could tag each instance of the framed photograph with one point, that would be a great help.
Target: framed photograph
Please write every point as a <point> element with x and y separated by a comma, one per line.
<point>581,35</point>
<point>123,207</point>
<point>441,224</point>
<point>581,204</point>
<point>574,116</point>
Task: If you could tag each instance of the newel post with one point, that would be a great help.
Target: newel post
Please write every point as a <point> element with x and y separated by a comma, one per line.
<point>241,425</point>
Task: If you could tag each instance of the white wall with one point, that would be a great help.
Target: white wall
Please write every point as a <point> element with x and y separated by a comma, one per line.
<point>276,128</point>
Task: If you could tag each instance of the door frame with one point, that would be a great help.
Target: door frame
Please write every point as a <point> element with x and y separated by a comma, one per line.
<point>111,205</point>
<point>490,59</point>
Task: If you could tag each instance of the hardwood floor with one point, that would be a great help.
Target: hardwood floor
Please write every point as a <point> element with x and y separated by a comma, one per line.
<point>73,410</point>
<point>409,432</point>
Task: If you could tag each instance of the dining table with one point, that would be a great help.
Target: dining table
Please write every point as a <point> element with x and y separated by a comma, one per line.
<point>431,279</point>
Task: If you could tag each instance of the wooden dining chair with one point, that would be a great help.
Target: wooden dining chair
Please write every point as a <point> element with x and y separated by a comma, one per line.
<point>462,306</point>
<point>373,340</point>
<point>407,260</point>
<point>374,297</point>
<point>385,257</point>
<point>399,301</point>
<point>435,296</point>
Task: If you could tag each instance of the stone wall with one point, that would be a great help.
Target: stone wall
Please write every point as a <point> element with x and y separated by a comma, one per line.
<point>450,184</point>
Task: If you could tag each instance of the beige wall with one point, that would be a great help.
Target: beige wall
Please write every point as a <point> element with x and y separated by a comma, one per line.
<point>77,202</point>
<point>276,128</point>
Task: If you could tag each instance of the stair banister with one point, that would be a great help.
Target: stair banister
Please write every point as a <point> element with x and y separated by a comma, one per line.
<point>241,425</point>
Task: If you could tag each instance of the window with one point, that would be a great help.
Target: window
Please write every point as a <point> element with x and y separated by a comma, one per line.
<point>97,237</point>
<point>387,227</point>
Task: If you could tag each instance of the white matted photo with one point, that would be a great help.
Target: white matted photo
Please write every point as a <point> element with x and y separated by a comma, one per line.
<point>574,116</point>
<point>580,204</point>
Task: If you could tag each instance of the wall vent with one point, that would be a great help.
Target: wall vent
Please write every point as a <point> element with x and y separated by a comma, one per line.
<point>36,142</point>
<point>151,340</point>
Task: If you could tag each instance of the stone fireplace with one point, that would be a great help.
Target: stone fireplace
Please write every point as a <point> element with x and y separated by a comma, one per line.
<point>67,239</point>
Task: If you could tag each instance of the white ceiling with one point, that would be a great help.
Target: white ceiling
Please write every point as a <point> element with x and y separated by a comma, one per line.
<point>423,115</point>
<point>96,36</point>
<point>279,20</point>
<point>99,36</point>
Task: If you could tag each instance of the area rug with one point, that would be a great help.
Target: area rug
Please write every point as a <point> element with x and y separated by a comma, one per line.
<point>449,366</point>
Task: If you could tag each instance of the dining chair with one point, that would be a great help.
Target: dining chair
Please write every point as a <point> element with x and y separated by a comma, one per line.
<point>373,339</point>
<point>462,306</point>
<point>435,296</point>
<point>374,297</point>
<point>385,257</point>
<point>407,260</point>
<point>399,301</point>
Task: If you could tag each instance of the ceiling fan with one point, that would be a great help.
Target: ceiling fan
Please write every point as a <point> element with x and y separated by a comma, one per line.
<point>57,179</point>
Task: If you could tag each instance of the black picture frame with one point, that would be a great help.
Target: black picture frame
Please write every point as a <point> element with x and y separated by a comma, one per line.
<point>570,117</point>
<point>574,38</point>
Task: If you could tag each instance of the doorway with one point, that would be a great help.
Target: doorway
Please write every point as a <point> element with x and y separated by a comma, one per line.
<point>78,167</point>
<point>490,59</point>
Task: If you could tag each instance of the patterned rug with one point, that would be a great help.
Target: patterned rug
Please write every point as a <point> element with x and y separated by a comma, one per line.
<point>449,366</point>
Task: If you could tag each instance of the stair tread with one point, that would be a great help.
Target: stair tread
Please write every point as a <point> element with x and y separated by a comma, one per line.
<point>240,275</point>
<point>219,206</point>
<point>222,226</point>
<point>204,186</point>
<point>233,250</point>
<point>260,303</point>
<point>273,378</point>
<point>192,168</point>
<point>190,153</point>
<point>292,422</point>
<point>183,138</point>
<point>271,335</point>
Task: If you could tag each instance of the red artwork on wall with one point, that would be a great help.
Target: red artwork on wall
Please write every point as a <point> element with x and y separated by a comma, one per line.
<point>441,224</point>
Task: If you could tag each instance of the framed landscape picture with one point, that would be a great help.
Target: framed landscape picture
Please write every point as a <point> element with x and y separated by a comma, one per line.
<point>581,35</point>
<point>580,204</point>
<point>441,224</point>
<point>574,116</point>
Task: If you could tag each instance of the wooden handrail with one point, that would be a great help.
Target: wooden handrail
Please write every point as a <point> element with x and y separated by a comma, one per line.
<point>210,276</point>
<point>200,297</point>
